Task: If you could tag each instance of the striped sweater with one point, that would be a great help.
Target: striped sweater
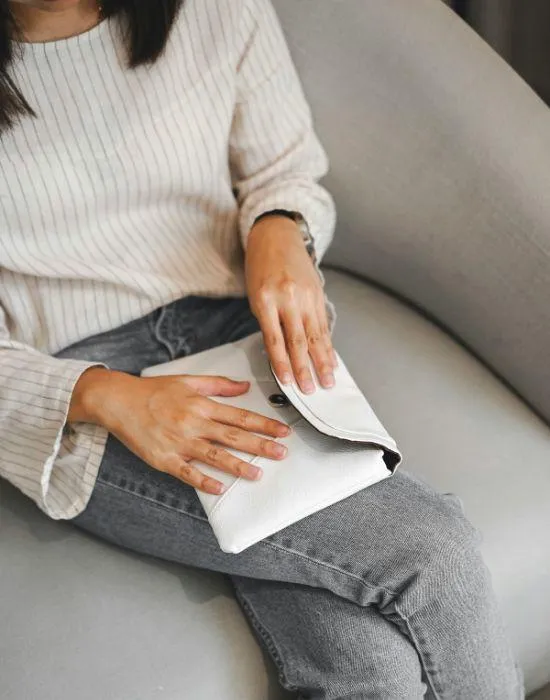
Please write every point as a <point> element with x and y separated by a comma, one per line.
<point>132,188</point>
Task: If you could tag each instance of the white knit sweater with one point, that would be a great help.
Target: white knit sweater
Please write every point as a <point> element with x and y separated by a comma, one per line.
<point>129,190</point>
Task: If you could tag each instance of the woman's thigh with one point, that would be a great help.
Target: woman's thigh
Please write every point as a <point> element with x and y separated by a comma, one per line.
<point>361,548</point>
<point>397,550</point>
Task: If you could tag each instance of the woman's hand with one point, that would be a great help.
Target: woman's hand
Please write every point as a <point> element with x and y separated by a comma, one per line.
<point>169,421</point>
<point>287,298</point>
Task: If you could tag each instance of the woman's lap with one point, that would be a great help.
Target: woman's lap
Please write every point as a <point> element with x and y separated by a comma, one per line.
<point>151,512</point>
<point>396,567</point>
<point>285,584</point>
<point>400,508</point>
<point>399,552</point>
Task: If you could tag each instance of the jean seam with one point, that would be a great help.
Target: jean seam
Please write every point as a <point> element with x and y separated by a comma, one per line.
<point>164,341</point>
<point>267,638</point>
<point>288,550</point>
<point>149,499</point>
<point>415,641</point>
<point>328,565</point>
<point>419,651</point>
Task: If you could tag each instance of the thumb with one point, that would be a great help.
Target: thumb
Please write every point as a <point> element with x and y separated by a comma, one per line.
<point>217,386</point>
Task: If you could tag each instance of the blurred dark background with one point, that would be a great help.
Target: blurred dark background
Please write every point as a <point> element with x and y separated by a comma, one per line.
<point>519,30</point>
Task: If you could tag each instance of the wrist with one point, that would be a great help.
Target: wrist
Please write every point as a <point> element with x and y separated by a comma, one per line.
<point>273,224</point>
<point>90,395</point>
<point>300,226</point>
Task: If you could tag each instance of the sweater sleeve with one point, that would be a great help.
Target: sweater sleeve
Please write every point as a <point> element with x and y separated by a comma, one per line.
<point>52,464</point>
<point>276,157</point>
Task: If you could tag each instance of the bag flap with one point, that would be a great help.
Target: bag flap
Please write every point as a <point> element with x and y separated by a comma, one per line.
<point>342,412</point>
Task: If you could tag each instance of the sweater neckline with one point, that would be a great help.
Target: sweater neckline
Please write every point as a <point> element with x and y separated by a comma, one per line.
<point>77,41</point>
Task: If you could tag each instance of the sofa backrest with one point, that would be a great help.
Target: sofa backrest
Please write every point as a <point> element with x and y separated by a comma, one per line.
<point>440,171</point>
<point>419,116</point>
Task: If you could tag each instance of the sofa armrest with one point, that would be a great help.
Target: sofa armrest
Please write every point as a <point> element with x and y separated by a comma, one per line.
<point>441,171</point>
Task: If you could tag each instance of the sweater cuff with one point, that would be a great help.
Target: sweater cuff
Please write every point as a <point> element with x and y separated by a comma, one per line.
<point>53,467</point>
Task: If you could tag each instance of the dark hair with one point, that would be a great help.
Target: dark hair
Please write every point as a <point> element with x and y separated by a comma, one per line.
<point>146,25</point>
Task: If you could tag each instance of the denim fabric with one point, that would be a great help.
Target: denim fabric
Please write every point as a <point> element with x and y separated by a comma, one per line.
<point>383,595</point>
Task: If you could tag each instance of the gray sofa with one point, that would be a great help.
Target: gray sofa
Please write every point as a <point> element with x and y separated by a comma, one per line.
<point>431,138</point>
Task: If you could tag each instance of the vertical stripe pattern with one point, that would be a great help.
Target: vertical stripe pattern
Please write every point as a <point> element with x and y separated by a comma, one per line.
<point>130,189</point>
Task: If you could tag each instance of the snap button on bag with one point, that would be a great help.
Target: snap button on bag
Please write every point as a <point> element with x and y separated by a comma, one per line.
<point>278,400</point>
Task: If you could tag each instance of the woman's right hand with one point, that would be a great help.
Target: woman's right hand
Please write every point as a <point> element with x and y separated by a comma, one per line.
<point>170,421</point>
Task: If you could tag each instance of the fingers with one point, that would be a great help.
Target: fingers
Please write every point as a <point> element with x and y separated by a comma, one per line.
<point>223,460</point>
<point>293,332</point>
<point>182,470</point>
<point>216,386</point>
<point>320,349</point>
<point>275,343</point>
<point>298,348</point>
<point>244,441</point>
<point>208,453</point>
<point>324,329</point>
<point>247,420</point>
<point>229,427</point>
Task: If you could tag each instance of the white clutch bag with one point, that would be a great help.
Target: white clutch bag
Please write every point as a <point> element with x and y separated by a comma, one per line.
<point>337,446</point>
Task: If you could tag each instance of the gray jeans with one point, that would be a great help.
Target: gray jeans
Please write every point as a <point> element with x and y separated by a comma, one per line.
<point>382,595</point>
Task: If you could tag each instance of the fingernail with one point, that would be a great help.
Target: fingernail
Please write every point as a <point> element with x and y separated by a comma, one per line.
<point>286,378</point>
<point>308,387</point>
<point>328,381</point>
<point>217,487</point>
<point>254,472</point>
<point>285,430</point>
<point>280,451</point>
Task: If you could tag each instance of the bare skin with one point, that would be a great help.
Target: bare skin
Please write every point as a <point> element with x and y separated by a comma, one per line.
<point>50,20</point>
<point>171,421</point>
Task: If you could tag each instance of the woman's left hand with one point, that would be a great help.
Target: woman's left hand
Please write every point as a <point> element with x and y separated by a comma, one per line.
<point>286,296</point>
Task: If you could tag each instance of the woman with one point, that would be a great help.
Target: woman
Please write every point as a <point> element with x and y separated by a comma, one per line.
<point>145,145</point>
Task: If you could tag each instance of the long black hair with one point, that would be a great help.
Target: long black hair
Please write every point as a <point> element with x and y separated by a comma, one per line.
<point>146,24</point>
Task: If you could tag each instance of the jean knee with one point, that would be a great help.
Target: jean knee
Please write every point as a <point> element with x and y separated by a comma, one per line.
<point>449,549</point>
<point>462,534</point>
